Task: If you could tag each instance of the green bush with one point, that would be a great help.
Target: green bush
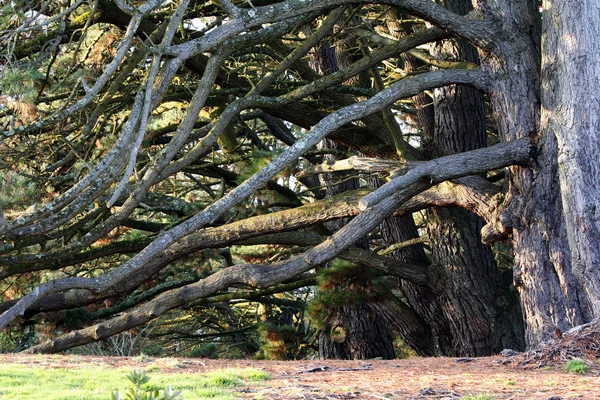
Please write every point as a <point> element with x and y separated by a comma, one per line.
<point>154,350</point>
<point>577,366</point>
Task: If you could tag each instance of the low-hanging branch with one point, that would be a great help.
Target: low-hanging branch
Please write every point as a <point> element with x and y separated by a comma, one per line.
<point>472,193</point>
<point>404,88</point>
<point>367,164</point>
<point>263,276</point>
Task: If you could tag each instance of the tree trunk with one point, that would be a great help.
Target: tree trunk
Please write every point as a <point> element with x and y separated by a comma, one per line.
<point>421,298</point>
<point>355,331</point>
<point>359,334</point>
<point>570,111</point>
<point>483,313</point>
<point>550,292</point>
<point>467,304</point>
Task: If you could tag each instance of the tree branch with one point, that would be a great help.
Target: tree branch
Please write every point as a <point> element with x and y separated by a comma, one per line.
<point>404,88</point>
<point>263,276</point>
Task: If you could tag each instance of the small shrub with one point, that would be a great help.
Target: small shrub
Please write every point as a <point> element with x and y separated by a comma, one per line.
<point>139,379</point>
<point>153,350</point>
<point>577,366</point>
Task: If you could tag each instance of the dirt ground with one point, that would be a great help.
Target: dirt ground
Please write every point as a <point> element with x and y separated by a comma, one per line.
<point>537,374</point>
<point>413,378</point>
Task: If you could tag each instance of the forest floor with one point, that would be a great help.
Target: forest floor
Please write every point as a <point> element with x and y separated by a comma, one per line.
<point>414,378</point>
<point>537,374</point>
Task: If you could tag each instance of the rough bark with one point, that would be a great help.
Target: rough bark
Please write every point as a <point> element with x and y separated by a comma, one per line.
<point>261,276</point>
<point>365,335</point>
<point>543,263</point>
<point>359,334</point>
<point>570,112</point>
<point>482,313</point>
<point>470,193</point>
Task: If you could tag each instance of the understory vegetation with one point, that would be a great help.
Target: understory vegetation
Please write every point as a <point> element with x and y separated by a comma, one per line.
<point>285,179</point>
<point>31,383</point>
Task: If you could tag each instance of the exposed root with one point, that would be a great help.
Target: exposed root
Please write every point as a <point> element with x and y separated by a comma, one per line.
<point>581,342</point>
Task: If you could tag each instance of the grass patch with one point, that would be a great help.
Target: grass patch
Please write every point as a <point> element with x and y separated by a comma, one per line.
<point>483,396</point>
<point>35,383</point>
<point>577,366</point>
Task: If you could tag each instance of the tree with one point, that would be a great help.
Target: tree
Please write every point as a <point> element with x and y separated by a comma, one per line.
<point>137,134</point>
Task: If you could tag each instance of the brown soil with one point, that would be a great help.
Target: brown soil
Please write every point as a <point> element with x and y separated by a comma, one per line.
<point>414,378</point>
<point>538,374</point>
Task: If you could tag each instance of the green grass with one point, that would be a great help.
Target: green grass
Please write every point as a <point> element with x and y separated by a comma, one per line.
<point>577,366</point>
<point>36,383</point>
<point>479,397</point>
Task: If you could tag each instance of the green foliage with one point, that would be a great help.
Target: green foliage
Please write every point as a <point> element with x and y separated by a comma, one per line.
<point>482,396</point>
<point>259,160</point>
<point>342,284</point>
<point>401,349</point>
<point>577,366</point>
<point>20,83</point>
<point>7,343</point>
<point>281,342</point>
<point>153,349</point>
<point>207,350</point>
<point>139,378</point>
<point>17,191</point>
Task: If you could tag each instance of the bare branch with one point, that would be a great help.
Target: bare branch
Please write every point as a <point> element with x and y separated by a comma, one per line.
<point>229,8</point>
<point>262,276</point>
<point>354,163</point>
<point>401,89</point>
<point>517,152</point>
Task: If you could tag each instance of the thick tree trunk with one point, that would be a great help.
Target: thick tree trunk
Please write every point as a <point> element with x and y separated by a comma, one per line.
<point>550,292</point>
<point>571,112</point>
<point>483,313</point>
<point>421,298</point>
<point>466,304</point>
<point>359,334</point>
<point>355,332</point>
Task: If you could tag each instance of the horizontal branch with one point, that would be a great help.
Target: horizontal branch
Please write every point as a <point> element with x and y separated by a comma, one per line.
<point>353,163</point>
<point>455,166</point>
<point>263,276</point>
<point>472,193</point>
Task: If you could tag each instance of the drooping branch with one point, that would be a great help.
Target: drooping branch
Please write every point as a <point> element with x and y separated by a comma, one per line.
<point>472,29</point>
<point>367,164</point>
<point>401,89</point>
<point>473,193</point>
<point>517,152</point>
<point>263,276</point>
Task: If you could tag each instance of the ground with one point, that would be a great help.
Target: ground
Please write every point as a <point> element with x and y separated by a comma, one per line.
<point>413,378</point>
<point>537,374</point>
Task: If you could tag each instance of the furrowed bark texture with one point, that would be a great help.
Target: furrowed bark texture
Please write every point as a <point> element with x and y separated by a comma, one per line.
<point>365,334</point>
<point>570,111</point>
<point>483,315</point>
<point>262,276</point>
<point>396,229</point>
<point>542,266</point>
